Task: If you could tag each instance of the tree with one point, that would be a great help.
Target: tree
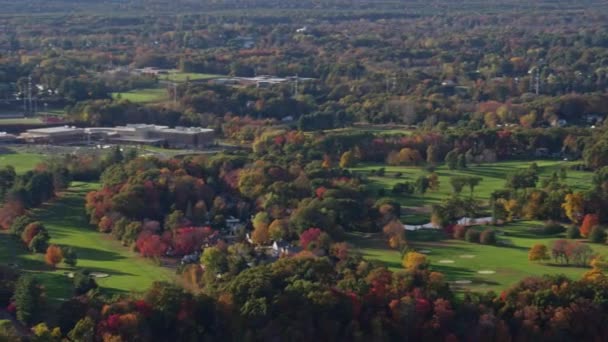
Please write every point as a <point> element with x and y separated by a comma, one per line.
<point>431,154</point>
<point>28,299</point>
<point>395,233</point>
<point>589,222</point>
<point>53,256</point>
<point>451,159</point>
<point>538,252</point>
<point>19,224</point>
<point>573,232</point>
<point>42,333</point>
<point>413,261</point>
<point>214,261</point>
<point>260,235</point>
<point>488,237</point>
<point>278,230</point>
<point>309,236</point>
<point>83,282</point>
<point>574,206</point>
<point>69,256</point>
<point>347,159</point>
<point>597,235</point>
<point>461,162</point>
<point>151,245</point>
<point>421,185</point>
<point>433,181</point>
<point>84,330</point>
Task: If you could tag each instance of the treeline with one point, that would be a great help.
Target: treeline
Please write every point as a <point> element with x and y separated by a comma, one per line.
<point>339,298</point>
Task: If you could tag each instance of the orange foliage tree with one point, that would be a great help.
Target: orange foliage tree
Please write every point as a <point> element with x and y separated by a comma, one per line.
<point>53,256</point>
<point>590,221</point>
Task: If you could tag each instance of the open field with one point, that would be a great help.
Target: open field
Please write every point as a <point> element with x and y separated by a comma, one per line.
<point>68,225</point>
<point>493,175</point>
<point>21,161</point>
<point>461,260</point>
<point>147,95</point>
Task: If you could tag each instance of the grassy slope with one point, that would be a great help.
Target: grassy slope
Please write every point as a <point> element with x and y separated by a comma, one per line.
<point>67,224</point>
<point>147,95</point>
<point>21,161</point>
<point>510,263</point>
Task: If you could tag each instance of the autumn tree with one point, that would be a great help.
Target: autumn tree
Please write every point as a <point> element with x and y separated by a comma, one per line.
<point>451,159</point>
<point>538,252</point>
<point>589,222</point>
<point>395,233</point>
<point>413,261</point>
<point>574,206</point>
<point>347,159</point>
<point>260,234</point>
<point>53,256</point>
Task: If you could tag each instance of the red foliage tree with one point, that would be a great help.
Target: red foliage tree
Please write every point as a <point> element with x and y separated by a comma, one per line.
<point>320,192</point>
<point>9,211</point>
<point>590,221</point>
<point>308,236</point>
<point>151,245</point>
<point>30,232</point>
<point>187,240</point>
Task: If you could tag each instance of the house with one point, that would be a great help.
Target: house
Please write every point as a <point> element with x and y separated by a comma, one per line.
<point>302,29</point>
<point>233,225</point>
<point>283,248</point>
<point>558,123</point>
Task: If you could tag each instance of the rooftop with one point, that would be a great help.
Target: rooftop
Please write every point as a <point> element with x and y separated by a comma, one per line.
<point>55,130</point>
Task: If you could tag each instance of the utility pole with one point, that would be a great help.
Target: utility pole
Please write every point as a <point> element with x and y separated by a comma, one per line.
<point>29,94</point>
<point>537,80</point>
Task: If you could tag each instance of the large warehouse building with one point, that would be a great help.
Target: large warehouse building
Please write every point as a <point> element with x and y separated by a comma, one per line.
<point>131,134</point>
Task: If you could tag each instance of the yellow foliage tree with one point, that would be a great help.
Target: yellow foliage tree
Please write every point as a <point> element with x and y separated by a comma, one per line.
<point>538,252</point>
<point>413,261</point>
<point>347,159</point>
<point>573,206</point>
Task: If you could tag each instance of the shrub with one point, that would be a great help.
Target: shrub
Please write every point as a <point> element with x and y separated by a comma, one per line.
<point>40,242</point>
<point>488,237</point>
<point>459,232</point>
<point>597,235</point>
<point>552,228</point>
<point>573,233</point>
<point>19,224</point>
<point>472,236</point>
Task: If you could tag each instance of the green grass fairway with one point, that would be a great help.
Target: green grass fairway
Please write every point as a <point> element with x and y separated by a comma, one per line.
<point>510,263</point>
<point>20,121</point>
<point>493,174</point>
<point>21,161</point>
<point>148,95</point>
<point>178,76</point>
<point>67,224</point>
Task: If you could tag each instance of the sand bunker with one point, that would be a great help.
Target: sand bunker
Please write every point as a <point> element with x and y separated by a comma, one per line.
<point>463,282</point>
<point>99,275</point>
<point>446,261</point>
<point>424,251</point>
<point>467,256</point>
<point>486,272</point>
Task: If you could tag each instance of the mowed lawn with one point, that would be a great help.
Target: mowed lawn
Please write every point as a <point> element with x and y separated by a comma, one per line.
<point>148,95</point>
<point>493,178</point>
<point>67,224</point>
<point>461,261</point>
<point>178,76</point>
<point>22,162</point>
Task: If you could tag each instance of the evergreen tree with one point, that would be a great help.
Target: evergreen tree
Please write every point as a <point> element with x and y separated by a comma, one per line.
<point>28,299</point>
